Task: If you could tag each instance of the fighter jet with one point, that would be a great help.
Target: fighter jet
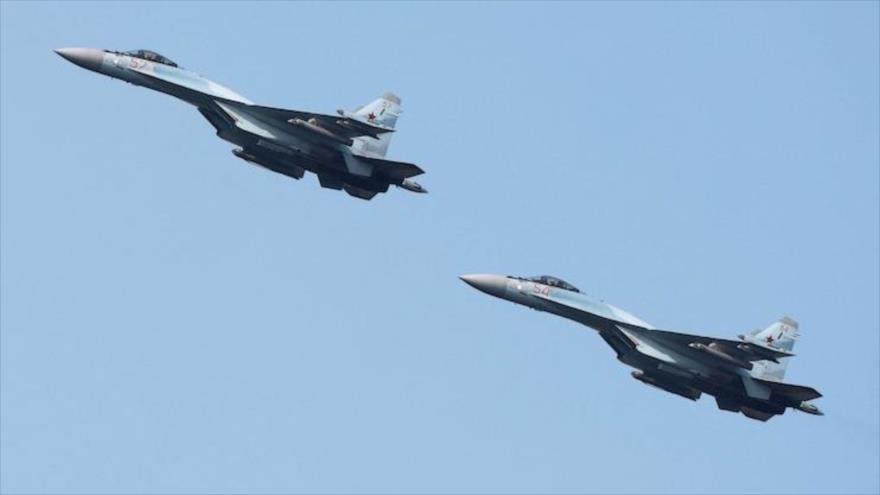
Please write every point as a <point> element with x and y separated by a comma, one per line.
<point>744,375</point>
<point>346,151</point>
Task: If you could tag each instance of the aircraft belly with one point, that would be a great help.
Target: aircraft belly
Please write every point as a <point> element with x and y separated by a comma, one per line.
<point>313,158</point>
<point>641,355</point>
<point>297,139</point>
<point>680,364</point>
<point>695,362</point>
<point>333,171</point>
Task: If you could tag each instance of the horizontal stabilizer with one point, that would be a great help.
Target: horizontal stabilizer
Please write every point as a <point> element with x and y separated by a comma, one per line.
<point>391,169</point>
<point>789,391</point>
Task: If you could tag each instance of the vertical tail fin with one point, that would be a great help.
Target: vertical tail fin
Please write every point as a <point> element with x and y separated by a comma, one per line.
<point>382,111</point>
<point>781,335</point>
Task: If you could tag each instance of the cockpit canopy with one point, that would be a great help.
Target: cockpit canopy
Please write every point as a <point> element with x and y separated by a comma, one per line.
<point>551,281</point>
<point>151,56</point>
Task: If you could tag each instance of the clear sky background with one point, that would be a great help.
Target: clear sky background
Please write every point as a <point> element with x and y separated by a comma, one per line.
<point>176,320</point>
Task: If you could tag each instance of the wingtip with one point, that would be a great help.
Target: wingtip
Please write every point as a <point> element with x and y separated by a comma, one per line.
<point>392,97</point>
<point>789,321</point>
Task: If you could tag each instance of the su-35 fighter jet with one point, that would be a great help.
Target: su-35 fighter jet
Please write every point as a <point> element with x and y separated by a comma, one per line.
<point>346,151</point>
<point>744,375</point>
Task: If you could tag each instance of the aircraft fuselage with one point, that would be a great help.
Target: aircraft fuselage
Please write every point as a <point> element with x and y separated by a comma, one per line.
<point>686,369</point>
<point>267,137</point>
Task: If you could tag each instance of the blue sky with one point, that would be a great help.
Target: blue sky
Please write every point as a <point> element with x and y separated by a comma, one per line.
<point>175,320</point>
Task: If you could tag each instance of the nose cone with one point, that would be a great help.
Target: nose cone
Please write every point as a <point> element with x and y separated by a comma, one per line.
<point>494,285</point>
<point>87,58</point>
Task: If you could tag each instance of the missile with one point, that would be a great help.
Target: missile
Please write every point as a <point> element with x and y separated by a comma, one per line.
<point>809,408</point>
<point>713,350</point>
<point>312,126</point>
<point>411,185</point>
<point>677,389</point>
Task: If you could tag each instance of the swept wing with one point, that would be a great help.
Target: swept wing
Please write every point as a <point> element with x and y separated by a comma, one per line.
<point>341,125</point>
<point>736,349</point>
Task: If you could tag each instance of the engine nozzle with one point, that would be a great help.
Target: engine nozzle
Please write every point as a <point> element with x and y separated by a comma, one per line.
<point>810,409</point>
<point>411,185</point>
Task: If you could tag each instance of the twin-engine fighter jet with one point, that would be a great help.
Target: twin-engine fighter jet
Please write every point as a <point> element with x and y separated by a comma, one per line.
<point>346,151</point>
<point>744,375</point>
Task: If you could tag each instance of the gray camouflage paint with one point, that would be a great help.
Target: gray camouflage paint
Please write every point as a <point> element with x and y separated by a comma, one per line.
<point>744,375</point>
<point>346,151</point>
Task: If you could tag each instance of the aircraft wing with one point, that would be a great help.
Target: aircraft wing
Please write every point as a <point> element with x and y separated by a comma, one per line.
<point>722,351</point>
<point>341,125</point>
<point>734,352</point>
<point>793,392</point>
<point>391,168</point>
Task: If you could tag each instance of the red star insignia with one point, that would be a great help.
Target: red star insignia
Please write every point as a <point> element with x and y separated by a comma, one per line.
<point>769,339</point>
<point>371,116</point>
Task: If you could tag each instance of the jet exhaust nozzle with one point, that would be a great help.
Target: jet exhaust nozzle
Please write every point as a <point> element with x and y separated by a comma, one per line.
<point>411,185</point>
<point>810,409</point>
